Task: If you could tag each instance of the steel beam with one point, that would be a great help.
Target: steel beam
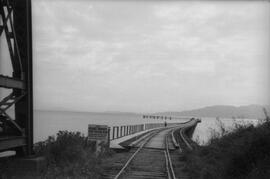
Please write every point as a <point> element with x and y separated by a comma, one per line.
<point>12,142</point>
<point>24,107</point>
<point>8,82</point>
<point>18,33</point>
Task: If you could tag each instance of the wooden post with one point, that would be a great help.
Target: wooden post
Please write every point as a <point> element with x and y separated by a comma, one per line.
<point>113,132</point>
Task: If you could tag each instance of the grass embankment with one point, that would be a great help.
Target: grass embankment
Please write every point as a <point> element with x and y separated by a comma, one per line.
<point>243,152</point>
<point>70,155</point>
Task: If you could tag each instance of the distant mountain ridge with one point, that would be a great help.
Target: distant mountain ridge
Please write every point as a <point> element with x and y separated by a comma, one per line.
<point>225,111</point>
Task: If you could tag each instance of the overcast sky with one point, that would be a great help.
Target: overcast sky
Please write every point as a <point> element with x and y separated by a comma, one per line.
<point>149,56</point>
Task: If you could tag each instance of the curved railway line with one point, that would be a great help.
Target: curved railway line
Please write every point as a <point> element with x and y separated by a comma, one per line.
<point>159,162</point>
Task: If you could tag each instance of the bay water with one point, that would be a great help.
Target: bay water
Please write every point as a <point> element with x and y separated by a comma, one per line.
<point>48,123</point>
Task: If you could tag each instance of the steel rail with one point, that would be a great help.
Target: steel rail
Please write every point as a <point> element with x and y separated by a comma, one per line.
<point>169,166</point>
<point>184,139</point>
<point>173,138</point>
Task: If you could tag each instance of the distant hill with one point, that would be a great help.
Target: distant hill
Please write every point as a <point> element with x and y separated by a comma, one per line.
<point>226,111</point>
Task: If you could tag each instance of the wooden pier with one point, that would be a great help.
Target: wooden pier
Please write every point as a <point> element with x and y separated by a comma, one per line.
<point>152,155</point>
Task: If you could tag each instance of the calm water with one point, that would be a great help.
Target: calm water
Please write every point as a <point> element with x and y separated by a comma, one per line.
<point>48,123</point>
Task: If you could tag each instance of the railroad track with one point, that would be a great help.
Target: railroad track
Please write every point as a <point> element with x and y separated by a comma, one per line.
<point>177,156</point>
<point>121,172</point>
<point>182,140</point>
<point>115,167</point>
<point>146,162</point>
<point>169,165</point>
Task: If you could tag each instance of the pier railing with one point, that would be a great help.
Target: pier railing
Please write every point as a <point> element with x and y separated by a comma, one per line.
<point>125,130</point>
<point>121,131</point>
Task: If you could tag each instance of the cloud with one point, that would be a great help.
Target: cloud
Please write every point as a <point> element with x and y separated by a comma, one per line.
<point>149,56</point>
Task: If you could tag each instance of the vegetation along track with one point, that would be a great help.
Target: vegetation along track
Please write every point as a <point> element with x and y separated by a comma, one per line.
<point>177,156</point>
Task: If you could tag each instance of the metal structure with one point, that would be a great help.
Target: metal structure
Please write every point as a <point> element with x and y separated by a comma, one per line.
<point>16,27</point>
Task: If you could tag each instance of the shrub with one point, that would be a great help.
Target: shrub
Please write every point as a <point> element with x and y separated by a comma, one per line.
<point>69,155</point>
<point>243,152</point>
